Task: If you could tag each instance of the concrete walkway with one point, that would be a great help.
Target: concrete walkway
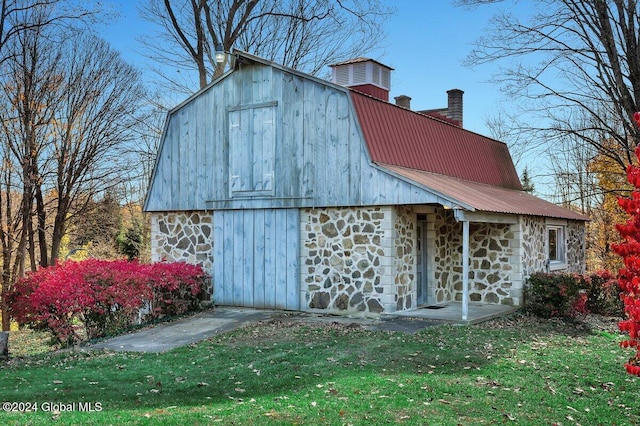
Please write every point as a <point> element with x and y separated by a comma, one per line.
<point>192,329</point>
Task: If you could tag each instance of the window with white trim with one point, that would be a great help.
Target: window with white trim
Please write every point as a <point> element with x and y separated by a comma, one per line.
<point>556,247</point>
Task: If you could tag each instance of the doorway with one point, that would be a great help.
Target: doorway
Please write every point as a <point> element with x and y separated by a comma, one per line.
<point>422,297</point>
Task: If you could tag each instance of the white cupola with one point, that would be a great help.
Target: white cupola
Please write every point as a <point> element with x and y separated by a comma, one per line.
<point>364,75</point>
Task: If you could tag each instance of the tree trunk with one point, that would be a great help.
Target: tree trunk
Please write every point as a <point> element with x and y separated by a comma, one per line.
<point>57,235</point>
<point>4,344</point>
<point>6,323</point>
<point>42,237</point>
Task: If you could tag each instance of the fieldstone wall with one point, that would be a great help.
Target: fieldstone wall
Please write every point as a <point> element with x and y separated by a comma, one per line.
<point>534,255</point>
<point>447,255</point>
<point>358,260</point>
<point>493,264</point>
<point>494,271</point>
<point>576,250</point>
<point>183,236</point>
<point>405,258</point>
<point>533,230</point>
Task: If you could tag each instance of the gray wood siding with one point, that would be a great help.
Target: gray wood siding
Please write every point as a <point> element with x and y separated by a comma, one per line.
<point>320,158</point>
<point>256,258</point>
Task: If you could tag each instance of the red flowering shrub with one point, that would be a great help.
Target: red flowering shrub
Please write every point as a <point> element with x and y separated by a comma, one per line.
<point>629,275</point>
<point>95,298</point>
<point>176,287</point>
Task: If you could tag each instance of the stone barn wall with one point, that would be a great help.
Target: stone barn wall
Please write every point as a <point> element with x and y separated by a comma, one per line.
<point>183,237</point>
<point>494,269</point>
<point>358,260</point>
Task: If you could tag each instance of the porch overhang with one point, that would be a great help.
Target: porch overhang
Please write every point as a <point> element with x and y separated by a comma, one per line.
<point>479,197</point>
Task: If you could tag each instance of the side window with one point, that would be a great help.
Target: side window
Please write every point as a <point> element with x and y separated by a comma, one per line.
<point>556,247</point>
<point>252,136</point>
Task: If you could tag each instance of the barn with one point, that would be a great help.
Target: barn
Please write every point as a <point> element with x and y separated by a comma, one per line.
<point>302,194</point>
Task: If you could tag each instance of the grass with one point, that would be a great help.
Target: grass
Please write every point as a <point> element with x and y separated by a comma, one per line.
<point>519,371</point>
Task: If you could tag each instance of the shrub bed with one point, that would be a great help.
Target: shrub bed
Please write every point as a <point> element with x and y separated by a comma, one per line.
<point>94,298</point>
<point>571,295</point>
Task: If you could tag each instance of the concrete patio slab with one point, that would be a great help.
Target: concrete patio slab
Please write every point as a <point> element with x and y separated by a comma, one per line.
<point>452,312</point>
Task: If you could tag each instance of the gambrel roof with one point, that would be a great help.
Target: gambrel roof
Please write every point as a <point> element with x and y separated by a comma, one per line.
<point>321,144</point>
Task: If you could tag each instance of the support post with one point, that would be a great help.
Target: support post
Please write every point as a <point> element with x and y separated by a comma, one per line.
<point>465,270</point>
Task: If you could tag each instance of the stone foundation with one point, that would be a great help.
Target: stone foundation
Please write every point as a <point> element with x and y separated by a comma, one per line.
<point>183,237</point>
<point>533,244</point>
<point>405,258</point>
<point>362,260</point>
<point>492,257</point>
<point>445,255</point>
<point>534,256</point>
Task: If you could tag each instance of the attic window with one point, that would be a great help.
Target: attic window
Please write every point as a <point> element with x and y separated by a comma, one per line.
<point>252,137</point>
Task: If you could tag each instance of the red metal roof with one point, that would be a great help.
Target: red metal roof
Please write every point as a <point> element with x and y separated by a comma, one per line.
<point>485,197</point>
<point>437,114</point>
<point>400,137</point>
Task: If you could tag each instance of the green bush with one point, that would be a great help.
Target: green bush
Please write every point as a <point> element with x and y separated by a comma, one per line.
<point>570,295</point>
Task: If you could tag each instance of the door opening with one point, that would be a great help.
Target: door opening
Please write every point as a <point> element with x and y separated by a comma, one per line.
<point>421,261</point>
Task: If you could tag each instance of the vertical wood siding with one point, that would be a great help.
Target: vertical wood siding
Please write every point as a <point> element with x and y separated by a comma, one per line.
<point>256,258</point>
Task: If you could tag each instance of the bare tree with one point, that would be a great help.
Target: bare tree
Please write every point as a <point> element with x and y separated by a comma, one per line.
<point>68,105</point>
<point>95,115</point>
<point>303,34</point>
<point>570,59</point>
<point>17,18</point>
<point>575,184</point>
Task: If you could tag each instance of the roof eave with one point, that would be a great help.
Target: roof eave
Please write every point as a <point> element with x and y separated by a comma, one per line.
<point>447,201</point>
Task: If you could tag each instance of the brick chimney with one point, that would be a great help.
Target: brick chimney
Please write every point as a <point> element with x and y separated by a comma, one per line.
<point>364,75</point>
<point>454,105</point>
<point>403,101</point>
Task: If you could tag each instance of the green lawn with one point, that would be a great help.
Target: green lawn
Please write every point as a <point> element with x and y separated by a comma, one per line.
<point>515,371</point>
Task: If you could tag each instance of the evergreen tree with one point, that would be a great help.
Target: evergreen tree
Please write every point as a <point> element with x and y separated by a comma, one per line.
<point>527,183</point>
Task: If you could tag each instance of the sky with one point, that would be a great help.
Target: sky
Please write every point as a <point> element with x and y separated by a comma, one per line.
<point>426,44</point>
